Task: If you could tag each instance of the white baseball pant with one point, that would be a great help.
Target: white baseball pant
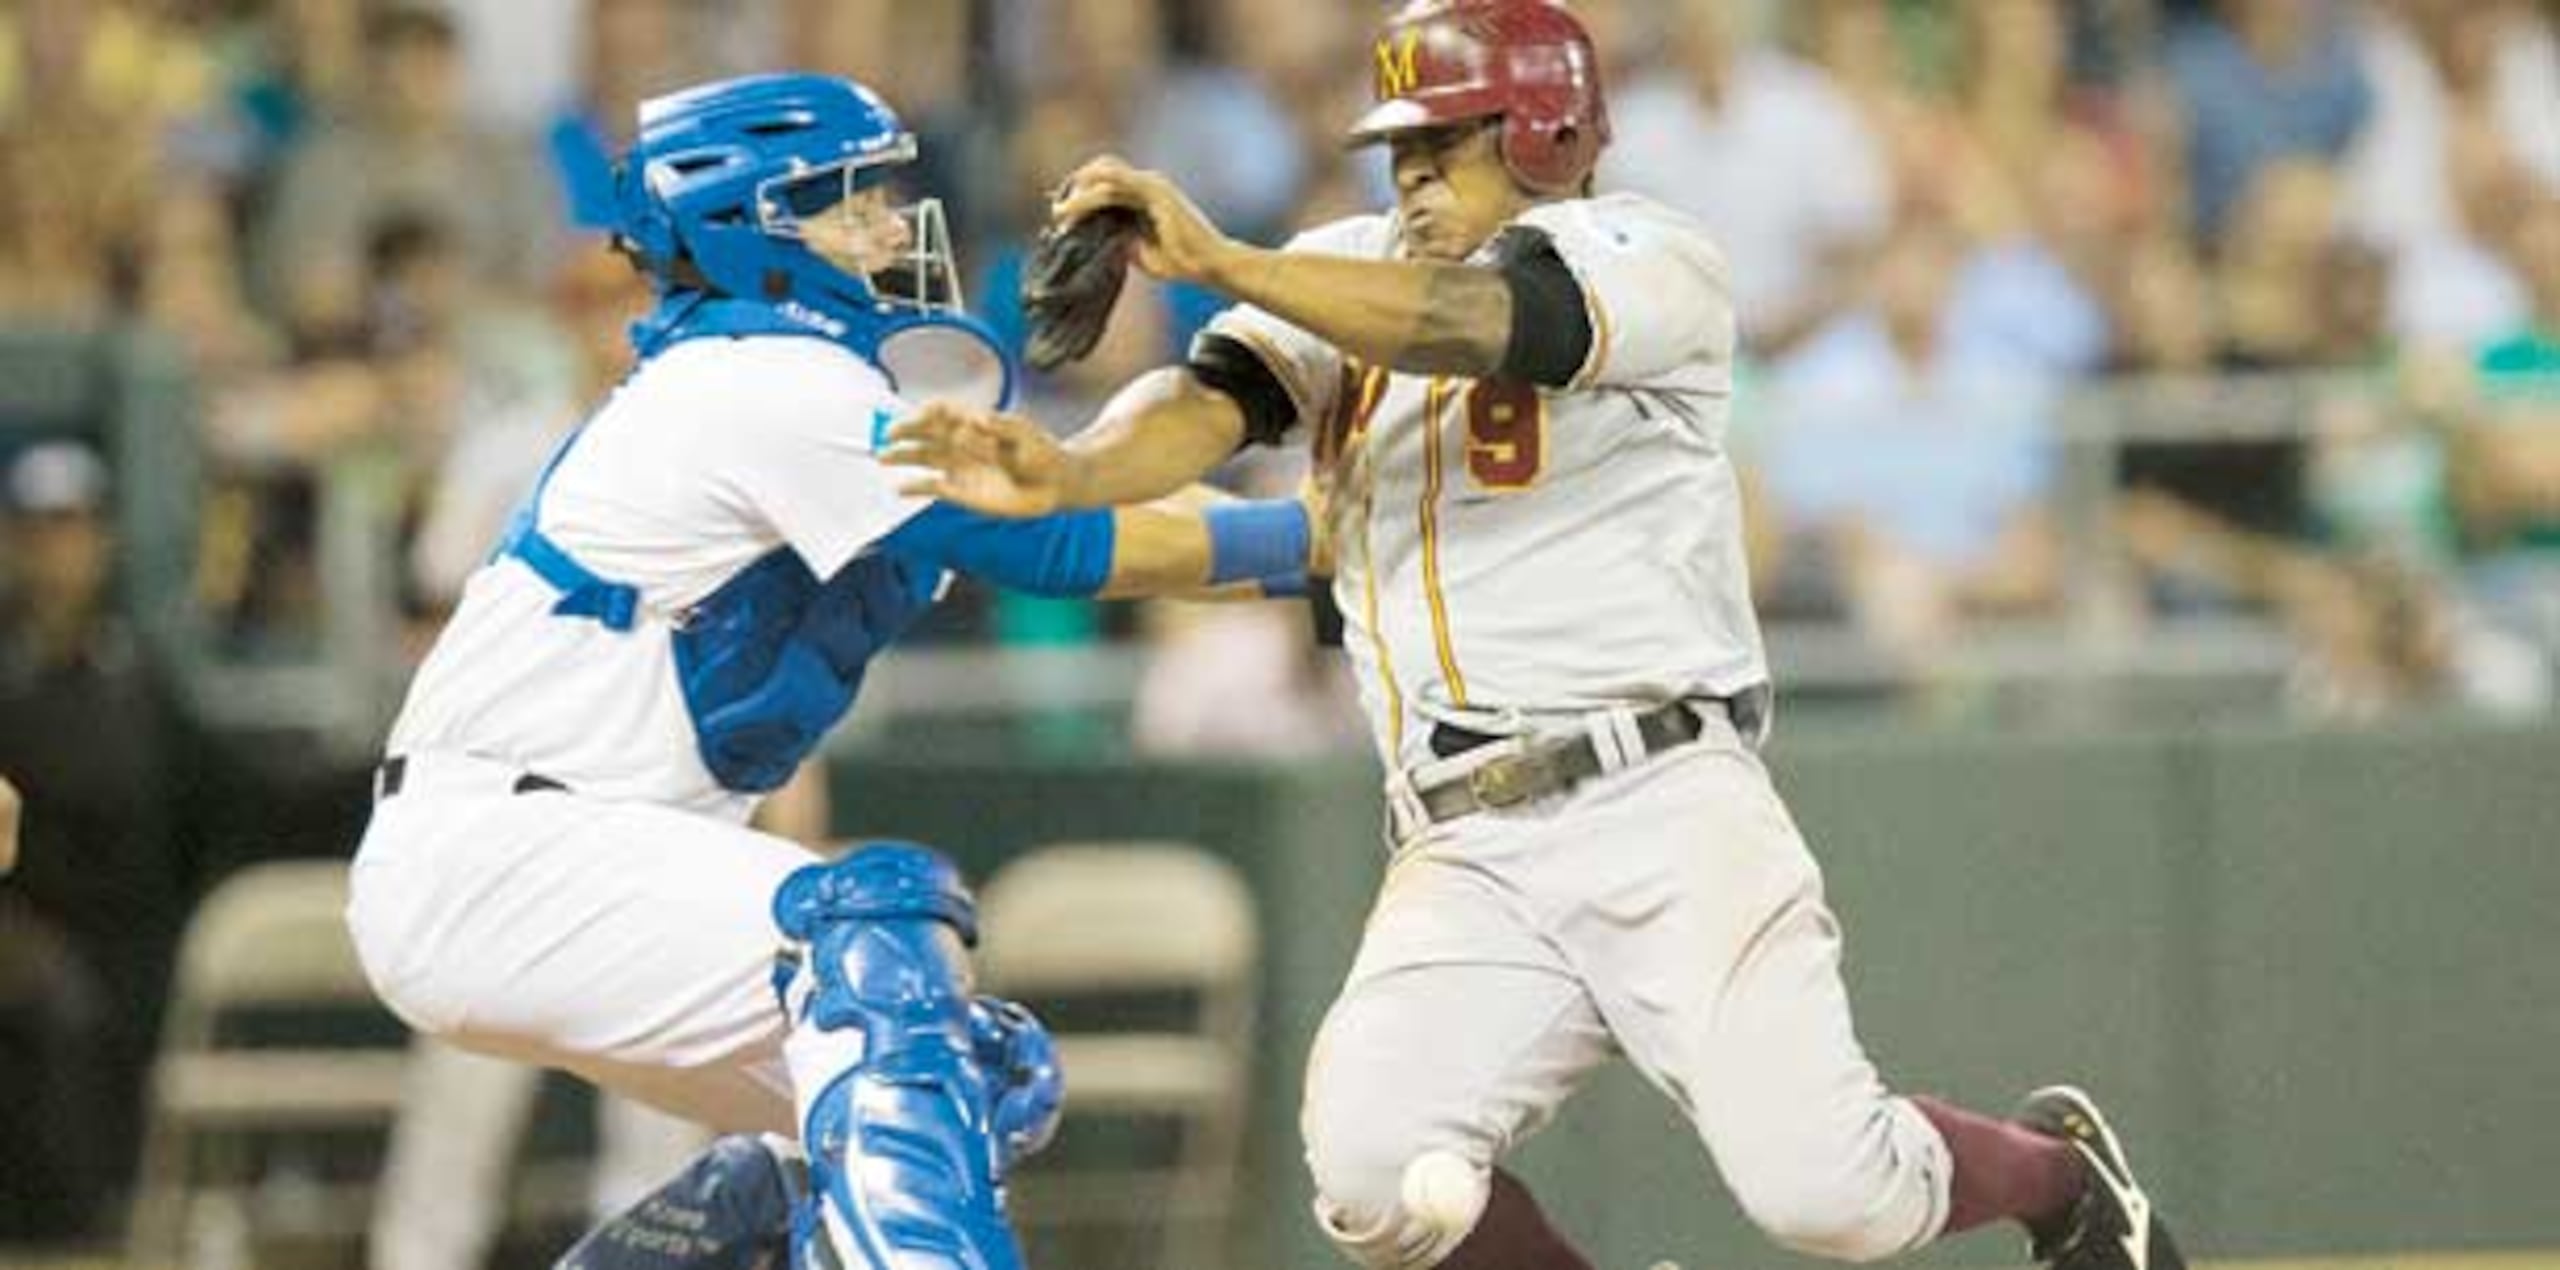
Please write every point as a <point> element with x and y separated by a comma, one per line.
<point>628,943</point>
<point>1668,910</point>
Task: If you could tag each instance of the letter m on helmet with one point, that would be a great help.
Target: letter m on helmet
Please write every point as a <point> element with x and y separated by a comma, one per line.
<point>1398,71</point>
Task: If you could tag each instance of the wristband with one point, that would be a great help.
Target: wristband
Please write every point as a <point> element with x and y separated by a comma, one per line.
<point>1250,541</point>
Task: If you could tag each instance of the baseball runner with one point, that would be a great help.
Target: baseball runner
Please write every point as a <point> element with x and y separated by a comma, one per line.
<point>558,869</point>
<point>1517,390</point>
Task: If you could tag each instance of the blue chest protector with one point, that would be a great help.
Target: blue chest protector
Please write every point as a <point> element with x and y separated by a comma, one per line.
<point>775,656</point>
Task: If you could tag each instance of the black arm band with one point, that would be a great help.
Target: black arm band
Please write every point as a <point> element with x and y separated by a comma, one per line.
<point>1230,365</point>
<point>1550,320</point>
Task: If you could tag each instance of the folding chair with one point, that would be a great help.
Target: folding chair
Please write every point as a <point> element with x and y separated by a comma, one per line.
<point>270,937</point>
<point>1085,933</point>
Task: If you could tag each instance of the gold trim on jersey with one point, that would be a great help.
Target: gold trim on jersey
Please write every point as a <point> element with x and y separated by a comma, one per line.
<point>1355,399</point>
<point>1434,400</point>
<point>1373,389</point>
<point>1377,636</point>
<point>1372,386</point>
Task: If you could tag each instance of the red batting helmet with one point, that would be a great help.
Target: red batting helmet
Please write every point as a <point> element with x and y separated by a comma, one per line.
<point>1527,61</point>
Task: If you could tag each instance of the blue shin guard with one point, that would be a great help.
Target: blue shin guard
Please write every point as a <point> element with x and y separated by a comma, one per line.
<point>729,1210</point>
<point>939,1091</point>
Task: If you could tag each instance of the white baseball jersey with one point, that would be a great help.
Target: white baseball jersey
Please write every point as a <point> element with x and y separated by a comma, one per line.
<point>1516,559</point>
<point>715,453</point>
<point>1505,551</point>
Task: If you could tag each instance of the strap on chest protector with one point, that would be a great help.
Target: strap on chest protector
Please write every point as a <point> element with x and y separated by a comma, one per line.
<point>583,593</point>
<point>770,660</point>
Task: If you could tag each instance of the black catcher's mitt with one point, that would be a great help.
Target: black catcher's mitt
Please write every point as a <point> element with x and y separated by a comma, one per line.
<point>1074,279</point>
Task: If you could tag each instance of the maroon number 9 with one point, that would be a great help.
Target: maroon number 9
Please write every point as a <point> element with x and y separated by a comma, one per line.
<point>1506,433</point>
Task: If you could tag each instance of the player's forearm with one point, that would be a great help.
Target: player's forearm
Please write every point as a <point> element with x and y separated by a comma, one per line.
<point>1418,316</point>
<point>1159,434</point>
<point>1226,549</point>
<point>1156,551</point>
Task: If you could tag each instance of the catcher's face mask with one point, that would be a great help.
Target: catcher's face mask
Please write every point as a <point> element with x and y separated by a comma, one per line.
<point>903,251</point>
<point>842,211</point>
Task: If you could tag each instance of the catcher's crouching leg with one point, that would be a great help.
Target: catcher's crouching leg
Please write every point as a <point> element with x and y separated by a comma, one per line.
<point>915,1097</point>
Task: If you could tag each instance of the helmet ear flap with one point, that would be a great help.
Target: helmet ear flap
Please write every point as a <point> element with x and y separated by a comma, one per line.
<point>1555,122</point>
<point>1547,157</point>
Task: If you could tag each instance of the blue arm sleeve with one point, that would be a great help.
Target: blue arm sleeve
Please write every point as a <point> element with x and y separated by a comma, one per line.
<point>1257,540</point>
<point>1062,555</point>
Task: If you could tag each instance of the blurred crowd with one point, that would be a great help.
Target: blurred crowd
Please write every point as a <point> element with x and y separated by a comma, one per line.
<point>2102,313</point>
<point>1955,230</point>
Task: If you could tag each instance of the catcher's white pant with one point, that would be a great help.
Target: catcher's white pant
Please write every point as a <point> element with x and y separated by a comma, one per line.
<point>628,943</point>
<point>1667,910</point>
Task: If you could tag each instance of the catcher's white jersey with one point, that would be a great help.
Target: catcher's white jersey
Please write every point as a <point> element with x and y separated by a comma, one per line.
<point>712,454</point>
<point>1505,551</point>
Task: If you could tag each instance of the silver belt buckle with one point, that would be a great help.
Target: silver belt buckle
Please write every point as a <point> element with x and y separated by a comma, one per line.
<point>1510,779</point>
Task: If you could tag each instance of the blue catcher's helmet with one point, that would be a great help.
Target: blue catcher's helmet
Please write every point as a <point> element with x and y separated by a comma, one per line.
<point>712,195</point>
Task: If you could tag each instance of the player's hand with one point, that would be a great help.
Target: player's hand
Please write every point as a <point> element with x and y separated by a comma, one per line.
<point>1180,245</point>
<point>986,461</point>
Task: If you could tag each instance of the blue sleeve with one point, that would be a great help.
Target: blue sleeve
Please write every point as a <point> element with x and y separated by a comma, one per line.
<point>1062,555</point>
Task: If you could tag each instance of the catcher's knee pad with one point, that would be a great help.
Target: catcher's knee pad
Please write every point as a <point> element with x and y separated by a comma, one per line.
<point>923,1094</point>
<point>1409,1221</point>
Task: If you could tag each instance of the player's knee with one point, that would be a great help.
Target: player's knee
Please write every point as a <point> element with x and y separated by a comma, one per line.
<point>1820,1229</point>
<point>1356,1180</point>
<point>1860,1180</point>
<point>1389,1206</point>
<point>1834,1211</point>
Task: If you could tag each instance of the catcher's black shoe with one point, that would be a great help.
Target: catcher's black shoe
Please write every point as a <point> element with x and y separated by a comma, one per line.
<point>2111,1226</point>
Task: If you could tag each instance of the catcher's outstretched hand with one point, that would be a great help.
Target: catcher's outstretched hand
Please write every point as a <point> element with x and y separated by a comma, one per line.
<point>984,460</point>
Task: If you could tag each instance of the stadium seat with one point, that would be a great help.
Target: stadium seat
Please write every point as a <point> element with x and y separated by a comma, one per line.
<point>1143,957</point>
<point>270,939</point>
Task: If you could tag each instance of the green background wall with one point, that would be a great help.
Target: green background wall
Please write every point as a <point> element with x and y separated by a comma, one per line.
<point>2316,977</point>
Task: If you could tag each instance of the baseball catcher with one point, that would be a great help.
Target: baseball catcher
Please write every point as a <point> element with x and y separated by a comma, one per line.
<point>559,868</point>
